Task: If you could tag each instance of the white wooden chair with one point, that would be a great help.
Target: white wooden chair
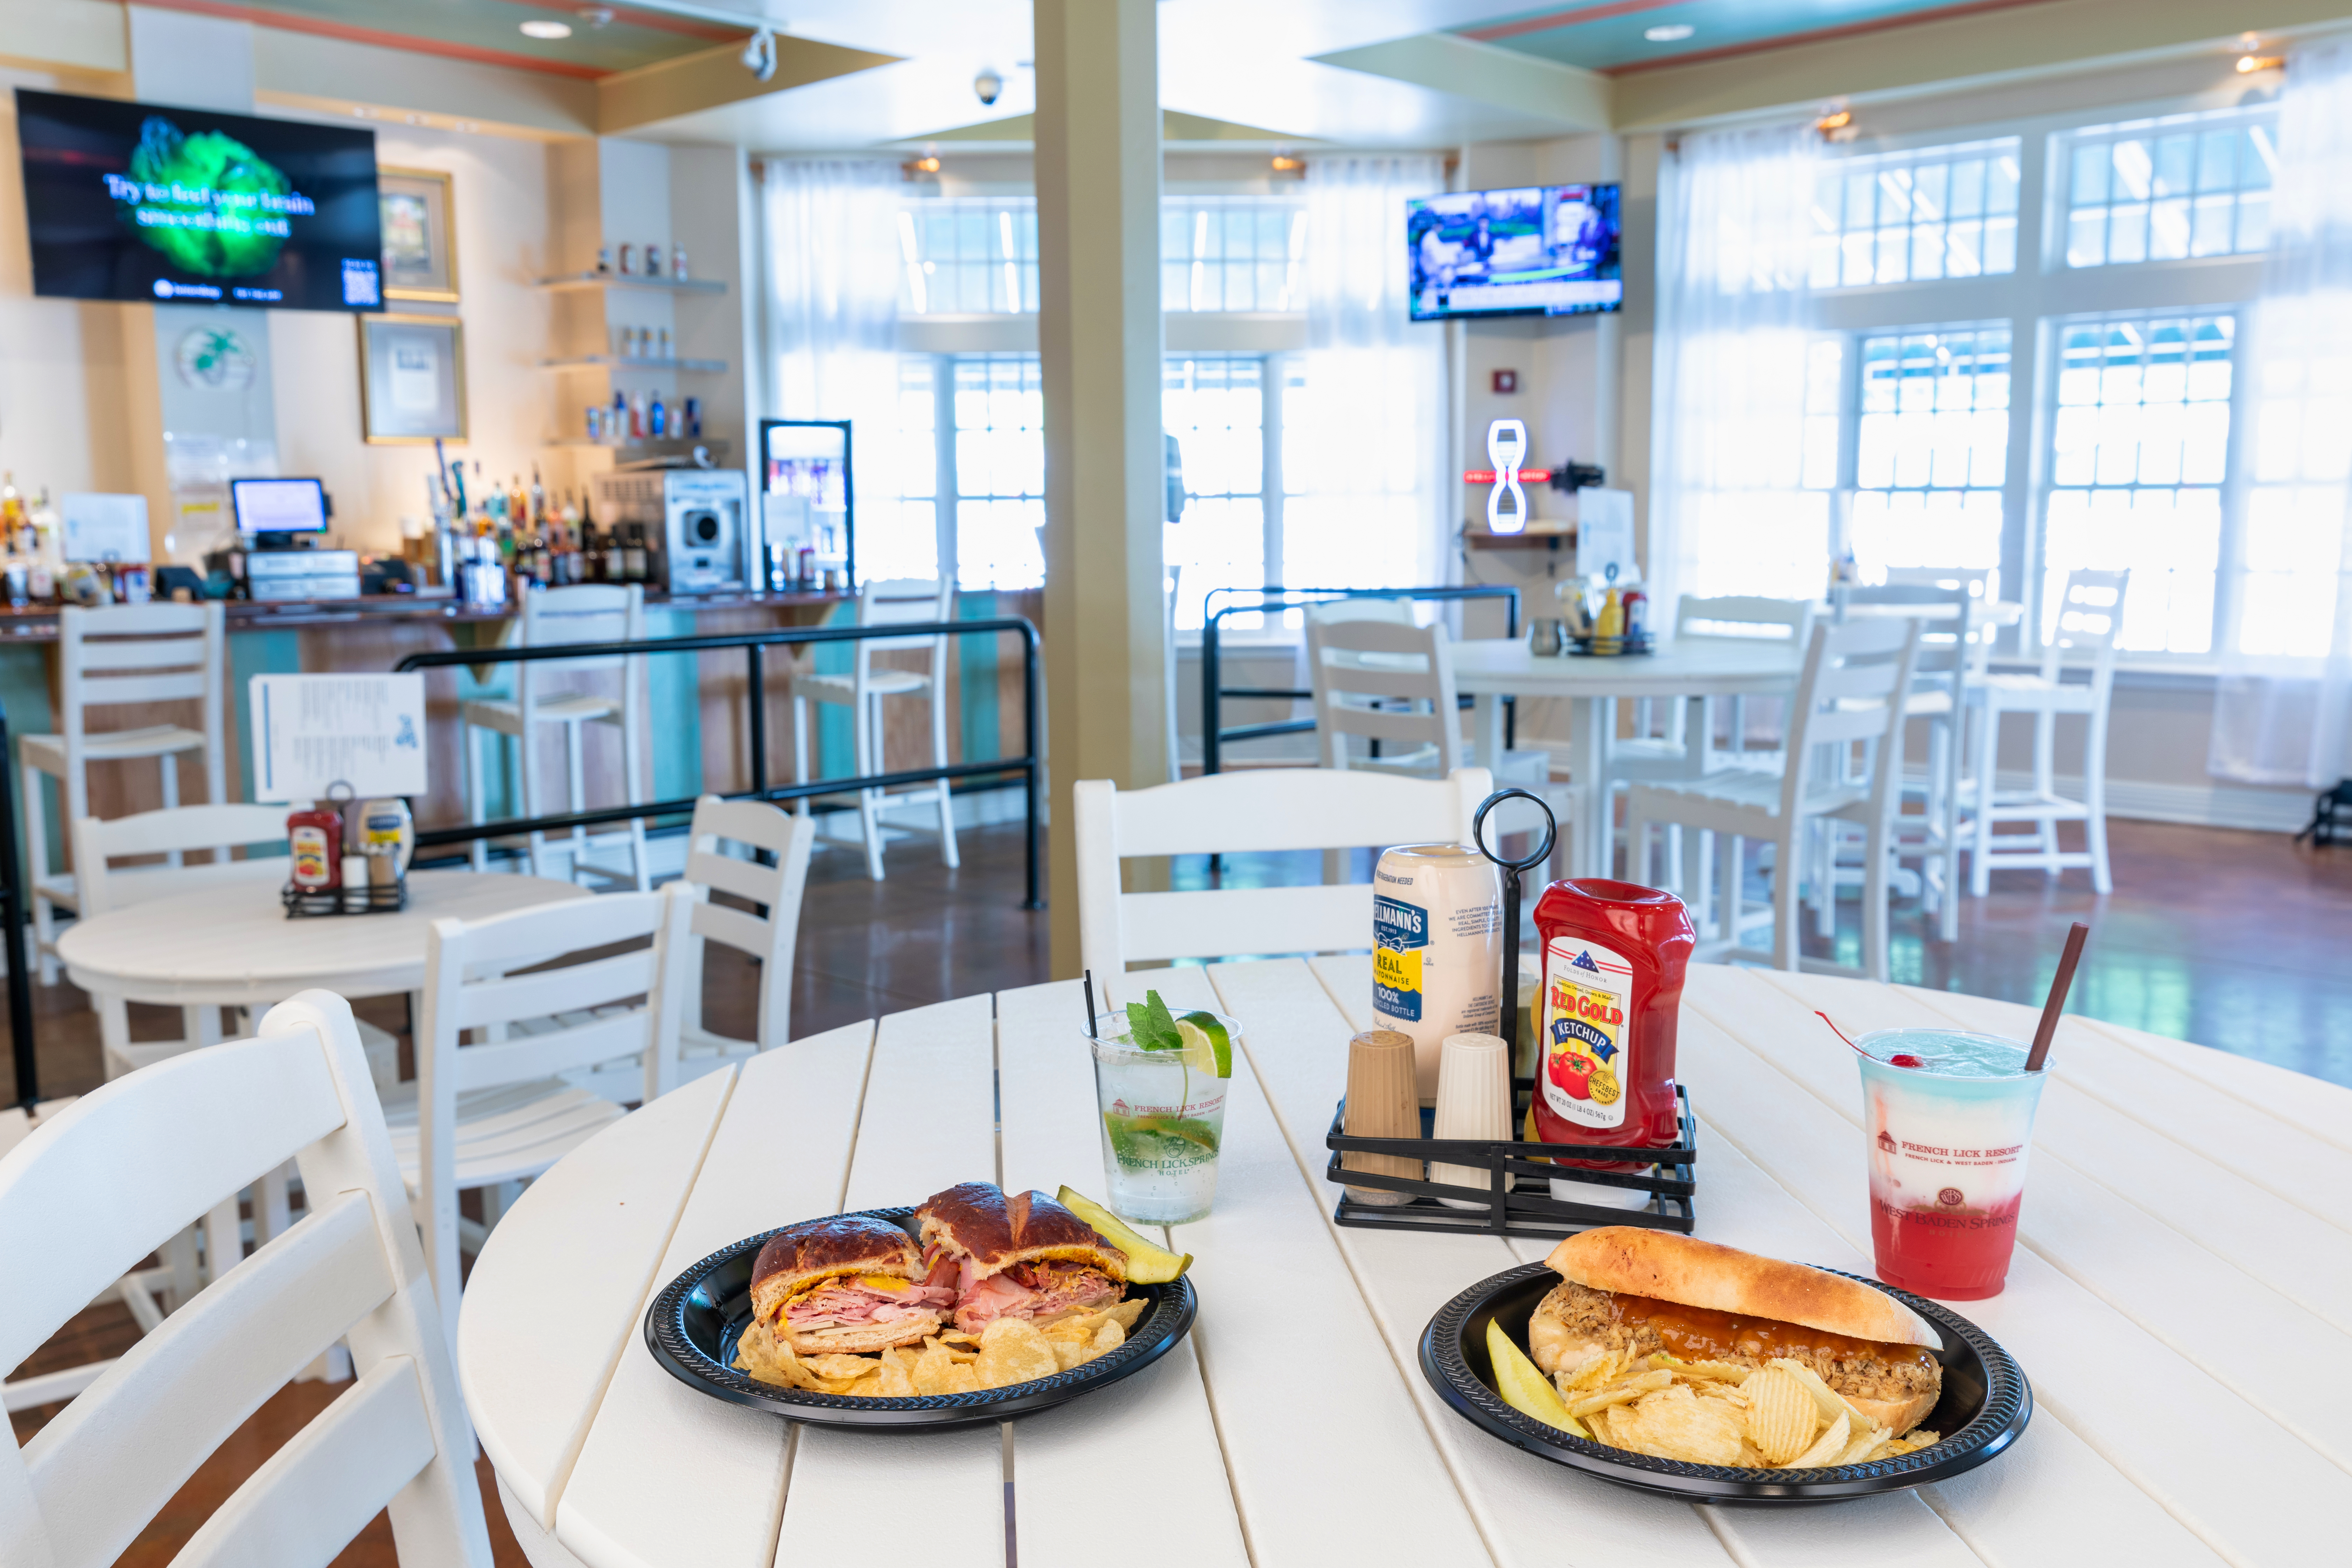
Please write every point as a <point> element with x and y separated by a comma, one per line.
<point>98,1186</point>
<point>502,1110</point>
<point>862,690</point>
<point>141,654</point>
<point>766,934</point>
<point>581,613</point>
<point>175,832</point>
<point>2090,611</point>
<point>1253,811</point>
<point>1850,694</point>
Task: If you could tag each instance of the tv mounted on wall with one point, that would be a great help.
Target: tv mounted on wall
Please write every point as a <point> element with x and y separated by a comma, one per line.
<point>136,201</point>
<point>1533,251</point>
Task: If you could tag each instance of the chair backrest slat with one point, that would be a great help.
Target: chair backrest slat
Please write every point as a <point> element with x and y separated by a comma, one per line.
<point>102,1182</point>
<point>143,653</point>
<point>1262,809</point>
<point>769,937</point>
<point>2087,618</point>
<point>311,1496</point>
<point>182,828</point>
<point>172,685</point>
<point>1388,661</point>
<point>542,994</point>
<point>126,1444</point>
<point>152,639</point>
<point>523,1059</point>
<point>1855,677</point>
<point>904,601</point>
<point>1744,617</point>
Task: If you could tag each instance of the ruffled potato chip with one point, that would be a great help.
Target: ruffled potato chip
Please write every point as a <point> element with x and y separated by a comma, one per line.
<point>1675,1424</point>
<point>1782,1417</point>
<point>1109,1336</point>
<point>1013,1351</point>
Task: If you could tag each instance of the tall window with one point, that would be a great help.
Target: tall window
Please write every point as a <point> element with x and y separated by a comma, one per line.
<point>2162,190</point>
<point>1931,448</point>
<point>1000,471</point>
<point>2139,449</point>
<point>976,256</point>
<point>1901,217</point>
<point>898,535</point>
<point>1215,407</point>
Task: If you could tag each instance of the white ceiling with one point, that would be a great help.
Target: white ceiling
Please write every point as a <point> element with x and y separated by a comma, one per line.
<point>1247,61</point>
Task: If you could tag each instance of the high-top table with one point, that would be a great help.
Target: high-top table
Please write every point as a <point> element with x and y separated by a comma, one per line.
<point>1497,667</point>
<point>2181,1299</point>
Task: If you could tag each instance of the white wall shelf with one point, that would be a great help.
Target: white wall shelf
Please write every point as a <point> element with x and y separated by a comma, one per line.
<point>635,281</point>
<point>618,361</point>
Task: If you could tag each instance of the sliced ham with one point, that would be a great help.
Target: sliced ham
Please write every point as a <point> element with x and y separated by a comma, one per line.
<point>845,1303</point>
<point>1040,1292</point>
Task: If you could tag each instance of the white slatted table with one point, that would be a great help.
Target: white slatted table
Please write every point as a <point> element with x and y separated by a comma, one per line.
<point>2181,1298</point>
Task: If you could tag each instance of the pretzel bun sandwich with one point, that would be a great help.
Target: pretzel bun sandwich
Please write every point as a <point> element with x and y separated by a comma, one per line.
<point>1015,1255</point>
<point>846,1284</point>
<point>1643,1292</point>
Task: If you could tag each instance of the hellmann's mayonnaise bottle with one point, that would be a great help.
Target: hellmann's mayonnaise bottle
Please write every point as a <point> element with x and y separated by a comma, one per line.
<point>1437,948</point>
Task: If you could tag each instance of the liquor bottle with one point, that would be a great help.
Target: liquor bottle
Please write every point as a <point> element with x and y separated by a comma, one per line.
<point>538,497</point>
<point>633,555</point>
<point>519,503</point>
<point>12,511</point>
<point>657,418</point>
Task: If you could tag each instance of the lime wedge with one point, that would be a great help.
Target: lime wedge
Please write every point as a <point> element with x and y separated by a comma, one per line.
<point>1146,1263</point>
<point>1522,1387</point>
<point>1207,1047</point>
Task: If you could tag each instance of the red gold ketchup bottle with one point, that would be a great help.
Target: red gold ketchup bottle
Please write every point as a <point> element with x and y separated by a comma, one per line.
<point>1614,955</point>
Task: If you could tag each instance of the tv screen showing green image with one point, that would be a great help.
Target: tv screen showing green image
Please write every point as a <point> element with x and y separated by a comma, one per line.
<point>137,201</point>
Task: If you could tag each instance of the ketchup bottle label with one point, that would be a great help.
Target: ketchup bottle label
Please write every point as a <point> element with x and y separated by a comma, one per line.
<point>1587,992</point>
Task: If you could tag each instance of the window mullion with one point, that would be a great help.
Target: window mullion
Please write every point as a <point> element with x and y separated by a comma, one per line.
<point>1270,404</point>
<point>946,487</point>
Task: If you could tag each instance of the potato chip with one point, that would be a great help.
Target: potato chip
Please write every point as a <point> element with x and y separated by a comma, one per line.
<point>762,1355</point>
<point>1782,1415</point>
<point>1013,1351</point>
<point>1620,1393</point>
<point>1109,1336</point>
<point>1675,1424</point>
<point>1127,1314</point>
<point>839,1365</point>
<point>1710,1371</point>
<point>934,1369</point>
<point>867,1388</point>
<point>897,1373</point>
<point>1832,1402</point>
<point>1830,1444</point>
<point>1068,1354</point>
<point>1590,1373</point>
<point>963,1379</point>
<point>1075,1331</point>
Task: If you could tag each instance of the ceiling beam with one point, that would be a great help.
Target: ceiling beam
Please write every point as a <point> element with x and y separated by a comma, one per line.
<point>1984,48</point>
<point>631,99</point>
<point>1508,78</point>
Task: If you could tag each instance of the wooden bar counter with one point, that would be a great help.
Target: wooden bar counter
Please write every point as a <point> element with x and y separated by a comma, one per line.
<point>696,725</point>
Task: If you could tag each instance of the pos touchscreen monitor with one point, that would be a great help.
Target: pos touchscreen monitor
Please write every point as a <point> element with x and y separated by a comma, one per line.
<point>278,506</point>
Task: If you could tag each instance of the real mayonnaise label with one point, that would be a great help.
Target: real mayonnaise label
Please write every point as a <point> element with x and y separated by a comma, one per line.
<point>1400,933</point>
<point>1588,994</point>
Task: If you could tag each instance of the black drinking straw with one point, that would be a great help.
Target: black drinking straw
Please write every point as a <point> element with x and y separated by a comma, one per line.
<point>1094,1031</point>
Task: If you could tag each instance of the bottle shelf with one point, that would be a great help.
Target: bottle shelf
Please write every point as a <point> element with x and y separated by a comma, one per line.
<point>634,280</point>
<point>666,446</point>
<point>631,362</point>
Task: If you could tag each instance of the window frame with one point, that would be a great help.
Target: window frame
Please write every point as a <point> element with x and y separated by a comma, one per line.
<point>2035,300</point>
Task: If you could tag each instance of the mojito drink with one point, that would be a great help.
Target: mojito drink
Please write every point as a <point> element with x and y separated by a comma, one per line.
<point>1162,1108</point>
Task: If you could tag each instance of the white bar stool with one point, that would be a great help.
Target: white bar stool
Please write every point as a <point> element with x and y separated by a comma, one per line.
<point>2090,611</point>
<point>899,600</point>
<point>121,654</point>
<point>583,613</point>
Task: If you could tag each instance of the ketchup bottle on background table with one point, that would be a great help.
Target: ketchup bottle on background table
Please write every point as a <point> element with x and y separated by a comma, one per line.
<point>1614,955</point>
<point>315,839</point>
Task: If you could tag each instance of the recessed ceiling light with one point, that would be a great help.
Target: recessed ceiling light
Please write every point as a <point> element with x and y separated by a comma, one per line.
<point>1669,33</point>
<point>539,29</point>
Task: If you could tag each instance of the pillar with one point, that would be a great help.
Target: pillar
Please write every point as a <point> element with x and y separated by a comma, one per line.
<point>1099,337</point>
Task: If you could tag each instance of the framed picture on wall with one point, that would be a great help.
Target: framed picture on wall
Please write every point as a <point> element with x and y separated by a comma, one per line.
<point>420,235</point>
<point>411,379</point>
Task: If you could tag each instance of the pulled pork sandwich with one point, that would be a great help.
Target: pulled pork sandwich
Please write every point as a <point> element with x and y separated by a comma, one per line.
<point>846,1284</point>
<point>1015,1255</point>
<point>1643,1291</point>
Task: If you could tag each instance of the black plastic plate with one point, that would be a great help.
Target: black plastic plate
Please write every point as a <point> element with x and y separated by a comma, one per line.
<point>693,1324</point>
<point>1986,1403</point>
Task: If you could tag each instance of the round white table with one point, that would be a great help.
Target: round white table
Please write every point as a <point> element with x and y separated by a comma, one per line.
<point>2185,1213</point>
<point>1494,668</point>
<point>231,943</point>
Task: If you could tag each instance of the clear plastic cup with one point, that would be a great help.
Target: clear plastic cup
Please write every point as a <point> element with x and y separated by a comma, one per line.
<point>1163,1120</point>
<point>1949,1117</point>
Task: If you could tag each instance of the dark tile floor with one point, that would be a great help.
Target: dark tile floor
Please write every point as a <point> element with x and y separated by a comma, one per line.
<point>2229,939</point>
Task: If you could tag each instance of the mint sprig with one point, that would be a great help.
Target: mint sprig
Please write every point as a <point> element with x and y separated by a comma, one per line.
<point>1151,1027</point>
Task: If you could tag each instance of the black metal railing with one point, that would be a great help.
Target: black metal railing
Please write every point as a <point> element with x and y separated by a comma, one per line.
<point>12,921</point>
<point>1029,764</point>
<point>1214,692</point>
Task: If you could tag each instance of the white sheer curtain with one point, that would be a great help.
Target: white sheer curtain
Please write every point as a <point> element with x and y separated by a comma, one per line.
<point>1730,507</point>
<point>1364,455</point>
<point>831,328</point>
<point>2282,706</point>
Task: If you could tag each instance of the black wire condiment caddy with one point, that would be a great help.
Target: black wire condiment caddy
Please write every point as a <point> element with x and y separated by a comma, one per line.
<point>1517,1199</point>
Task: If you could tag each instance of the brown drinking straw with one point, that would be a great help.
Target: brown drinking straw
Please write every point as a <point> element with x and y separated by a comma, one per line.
<point>2059,985</point>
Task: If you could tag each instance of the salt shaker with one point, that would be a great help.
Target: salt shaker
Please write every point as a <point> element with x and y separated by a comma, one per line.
<point>1473,1102</point>
<point>1382,1102</point>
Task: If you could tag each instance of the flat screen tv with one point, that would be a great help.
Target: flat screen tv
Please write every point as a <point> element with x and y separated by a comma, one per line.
<point>1534,250</point>
<point>136,201</point>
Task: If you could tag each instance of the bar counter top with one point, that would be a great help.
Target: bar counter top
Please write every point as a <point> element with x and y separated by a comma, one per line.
<point>38,623</point>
